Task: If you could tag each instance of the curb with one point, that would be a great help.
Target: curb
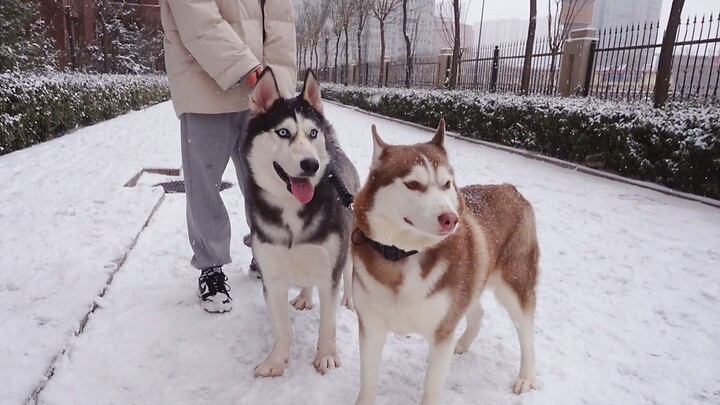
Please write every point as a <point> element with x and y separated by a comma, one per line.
<point>557,162</point>
<point>119,262</point>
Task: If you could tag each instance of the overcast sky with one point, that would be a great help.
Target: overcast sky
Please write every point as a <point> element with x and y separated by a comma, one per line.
<point>502,9</point>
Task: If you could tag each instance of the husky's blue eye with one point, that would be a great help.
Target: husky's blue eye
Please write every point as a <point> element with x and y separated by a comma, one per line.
<point>313,133</point>
<point>283,133</point>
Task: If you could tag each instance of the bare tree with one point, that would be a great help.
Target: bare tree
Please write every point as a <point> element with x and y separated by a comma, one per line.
<point>326,32</point>
<point>561,17</point>
<point>450,30</point>
<point>664,71</point>
<point>362,11</point>
<point>527,63</point>
<point>408,46</point>
<point>302,38</point>
<point>337,29</point>
<point>319,14</point>
<point>384,11</point>
<point>346,12</point>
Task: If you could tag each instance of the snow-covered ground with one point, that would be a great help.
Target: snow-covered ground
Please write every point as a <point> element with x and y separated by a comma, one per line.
<point>628,310</point>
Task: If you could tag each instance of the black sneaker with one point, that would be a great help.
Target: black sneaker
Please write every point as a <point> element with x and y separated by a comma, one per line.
<point>255,269</point>
<point>213,290</point>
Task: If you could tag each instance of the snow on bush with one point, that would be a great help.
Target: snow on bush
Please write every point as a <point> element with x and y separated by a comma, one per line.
<point>677,146</point>
<point>35,108</point>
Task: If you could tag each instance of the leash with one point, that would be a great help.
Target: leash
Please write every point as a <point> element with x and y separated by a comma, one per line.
<point>346,197</point>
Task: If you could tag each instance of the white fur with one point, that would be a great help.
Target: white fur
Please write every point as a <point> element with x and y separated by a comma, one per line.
<point>386,218</point>
<point>290,263</point>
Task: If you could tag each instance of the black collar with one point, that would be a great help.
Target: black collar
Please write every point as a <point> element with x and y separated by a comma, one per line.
<point>392,253</point>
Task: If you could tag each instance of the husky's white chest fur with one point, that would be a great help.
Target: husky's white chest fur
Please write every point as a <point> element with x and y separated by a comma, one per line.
<point>413,308</point>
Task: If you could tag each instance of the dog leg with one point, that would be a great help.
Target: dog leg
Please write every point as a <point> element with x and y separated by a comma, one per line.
<point>347,300</point>
<point>474,316</point>
<point>304,300</point>
<point>327,357</point>
<point>372,342</point>
<point>523,318</point>
<point>438,369</point>
<point>276,361</point>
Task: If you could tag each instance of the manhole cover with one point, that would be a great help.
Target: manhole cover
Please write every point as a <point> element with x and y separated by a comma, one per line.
<point>173,187</point>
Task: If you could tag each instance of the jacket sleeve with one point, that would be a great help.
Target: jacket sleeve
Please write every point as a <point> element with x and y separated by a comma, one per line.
<point>212,41</point>
<point>279,49</point>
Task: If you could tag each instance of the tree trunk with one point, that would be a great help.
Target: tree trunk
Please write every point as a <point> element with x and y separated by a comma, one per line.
<point>104,42</point>
<point>359,57</point>
<point>527,64</point>
<point>347,57</point>
<point>381,80</point>
<point>455,63</point>
<point>551,77</point>
<point>662,82</point>
<point>408,49</point>
<point>327,52</point>
<point>337,52</point>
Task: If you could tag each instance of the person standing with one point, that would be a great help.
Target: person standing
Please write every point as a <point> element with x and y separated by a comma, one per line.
<point>214,53</point>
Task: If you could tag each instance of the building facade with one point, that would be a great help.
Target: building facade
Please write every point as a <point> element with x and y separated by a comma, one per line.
<point>74,24</point>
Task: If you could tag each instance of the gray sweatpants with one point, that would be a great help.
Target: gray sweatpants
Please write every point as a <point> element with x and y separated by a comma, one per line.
<point>208,142</point>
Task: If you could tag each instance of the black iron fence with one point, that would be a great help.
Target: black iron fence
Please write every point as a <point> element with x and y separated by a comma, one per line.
<point>499,68</point>
<point>625,61</point>
<point>622,65</point>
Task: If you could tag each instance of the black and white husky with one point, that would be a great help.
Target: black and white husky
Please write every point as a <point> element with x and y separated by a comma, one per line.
<point>301,231</point>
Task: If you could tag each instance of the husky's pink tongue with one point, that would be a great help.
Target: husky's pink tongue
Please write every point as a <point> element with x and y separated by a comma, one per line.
<point>302,189</point>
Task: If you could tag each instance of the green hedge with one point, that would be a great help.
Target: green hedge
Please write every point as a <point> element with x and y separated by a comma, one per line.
<point>35,108</point>
<point>678,146</point>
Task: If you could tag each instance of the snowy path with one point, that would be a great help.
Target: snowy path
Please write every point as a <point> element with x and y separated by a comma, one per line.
<point>627,311</point>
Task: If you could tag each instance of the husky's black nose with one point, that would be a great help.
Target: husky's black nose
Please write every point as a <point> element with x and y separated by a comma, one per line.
<point>309,166</point>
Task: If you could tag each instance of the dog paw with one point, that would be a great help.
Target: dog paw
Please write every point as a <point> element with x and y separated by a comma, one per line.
<point>348,302</point>
<point>461,347</point>
<point>270,368</point>
<point>325,362</point>
<point>302,302</point>
<point>523,385</point>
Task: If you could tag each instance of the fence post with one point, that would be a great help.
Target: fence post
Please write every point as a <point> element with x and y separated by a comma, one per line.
<point>576,63</point>
<point>385,66</point>
<point>590,69</point>
<point>443,72</point>
<point>495,69</point>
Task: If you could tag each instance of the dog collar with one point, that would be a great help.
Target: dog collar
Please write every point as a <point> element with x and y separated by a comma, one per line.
<point>389,252</point>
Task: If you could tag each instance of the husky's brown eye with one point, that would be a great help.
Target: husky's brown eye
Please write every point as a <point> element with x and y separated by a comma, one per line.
<point>412,185</point>
<point>448,185</point>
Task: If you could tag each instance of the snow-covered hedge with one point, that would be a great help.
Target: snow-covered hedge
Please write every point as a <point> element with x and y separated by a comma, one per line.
<point>35,108</point>
<point>678,146</point>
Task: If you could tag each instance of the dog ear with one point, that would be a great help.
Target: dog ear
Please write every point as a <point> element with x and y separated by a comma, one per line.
<point>265,92</point>
<point>378,146</point>
<point>311,91</point>
<point>439,138</point>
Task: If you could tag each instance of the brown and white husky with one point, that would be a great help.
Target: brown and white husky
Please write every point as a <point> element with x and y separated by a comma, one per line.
<point>423,251</point>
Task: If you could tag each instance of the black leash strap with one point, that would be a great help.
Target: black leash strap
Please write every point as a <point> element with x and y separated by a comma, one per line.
<point>346,197</point>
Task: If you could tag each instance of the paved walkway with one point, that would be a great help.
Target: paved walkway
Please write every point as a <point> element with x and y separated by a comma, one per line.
<point>97,298</point>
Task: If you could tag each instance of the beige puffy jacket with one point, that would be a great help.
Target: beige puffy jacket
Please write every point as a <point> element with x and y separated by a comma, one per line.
<point>212,45</point>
